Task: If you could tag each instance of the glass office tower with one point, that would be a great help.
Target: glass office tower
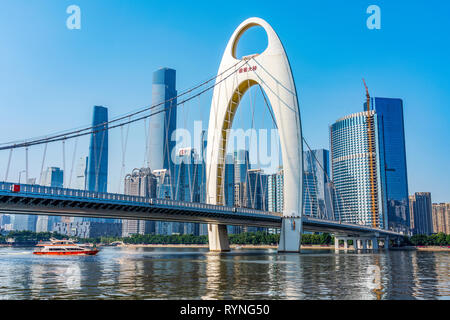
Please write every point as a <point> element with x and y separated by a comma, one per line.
<point>351,168</point>
<point>160,144</point>
<point>97,162</point>
<point>52,177</point>
<point>241,167</point>
<point>275,198</point>
<point>392,132</point>
<point>421,213</point>
<point>187,185</point>
<point>228,189</point>
<point>97,170</point>
<point>22,222</point>
<point>317,164</point>
<point>310,195</point>
<point>163,124</point>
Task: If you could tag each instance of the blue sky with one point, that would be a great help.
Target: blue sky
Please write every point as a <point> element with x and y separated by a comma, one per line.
<point>50,77</point>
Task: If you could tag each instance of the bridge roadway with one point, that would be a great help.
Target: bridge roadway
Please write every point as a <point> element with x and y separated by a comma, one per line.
<point>35,199</point>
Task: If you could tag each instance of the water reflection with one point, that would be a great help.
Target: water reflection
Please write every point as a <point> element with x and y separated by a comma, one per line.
<point>165,273</point>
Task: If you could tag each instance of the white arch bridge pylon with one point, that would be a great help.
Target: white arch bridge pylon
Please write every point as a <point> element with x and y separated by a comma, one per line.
<point>271,70</point>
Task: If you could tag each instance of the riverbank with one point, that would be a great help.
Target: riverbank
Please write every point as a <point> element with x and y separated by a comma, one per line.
<point>232,246</point>
<point>432,248</point>
<point>261,246</point>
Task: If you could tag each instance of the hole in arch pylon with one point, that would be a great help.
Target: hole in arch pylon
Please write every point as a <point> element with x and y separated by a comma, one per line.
<point>272,71</point>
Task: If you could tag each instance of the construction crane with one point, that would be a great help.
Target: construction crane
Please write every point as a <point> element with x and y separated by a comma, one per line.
<point>371,158</point>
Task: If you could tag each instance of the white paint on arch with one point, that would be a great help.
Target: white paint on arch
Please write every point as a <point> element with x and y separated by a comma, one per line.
<point>272,71</point>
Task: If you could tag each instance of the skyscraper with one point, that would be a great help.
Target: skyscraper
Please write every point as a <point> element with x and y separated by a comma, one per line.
<point>275,192</point>
<point>52,177</point>
<point>22,222</point>
<point>187,176</point>
<point>257,190</point>
<point>163,124</point>
<point>187,184</point>
<point>392,133</point>
<point>160,144</point>
<point>356,199</point>
<point>317,162</point>
<point>141,182</point>
<point>241,166</point>
<point>203,167</point>
<point>310,201</point>
<point>229,181</point>
<point>97,169</point>
<point>97,162</point>
<point>420,207</point>
<point>163,191</point>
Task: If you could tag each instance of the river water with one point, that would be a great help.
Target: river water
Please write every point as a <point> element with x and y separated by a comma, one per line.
<point>187,273</point>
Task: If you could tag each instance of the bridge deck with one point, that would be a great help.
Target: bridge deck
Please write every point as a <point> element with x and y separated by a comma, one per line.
<point>35,199</point>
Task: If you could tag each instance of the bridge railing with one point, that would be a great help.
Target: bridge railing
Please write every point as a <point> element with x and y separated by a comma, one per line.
<point>84,194</point>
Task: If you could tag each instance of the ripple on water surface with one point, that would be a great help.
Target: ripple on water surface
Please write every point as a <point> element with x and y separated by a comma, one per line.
<point>190,273</point>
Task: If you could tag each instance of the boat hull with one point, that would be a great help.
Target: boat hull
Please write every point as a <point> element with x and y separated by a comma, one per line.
<point>73,253</point>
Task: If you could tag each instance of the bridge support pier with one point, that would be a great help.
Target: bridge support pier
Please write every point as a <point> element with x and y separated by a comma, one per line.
<point>374,243</point>
<point>336,242</point>
<point>218,238</point>
<point>386,243</point>
<point>364,244</point>
<point>291,234</point>
<point>360,243</point>
<point>355,243</point>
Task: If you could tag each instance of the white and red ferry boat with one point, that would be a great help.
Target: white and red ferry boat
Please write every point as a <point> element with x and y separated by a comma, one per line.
<point>64,247</point>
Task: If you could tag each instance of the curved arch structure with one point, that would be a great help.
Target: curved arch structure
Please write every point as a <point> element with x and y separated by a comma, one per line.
<point>271,70</point>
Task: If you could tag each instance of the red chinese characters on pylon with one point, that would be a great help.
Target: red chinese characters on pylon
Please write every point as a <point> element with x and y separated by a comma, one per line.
<point>247,69</point>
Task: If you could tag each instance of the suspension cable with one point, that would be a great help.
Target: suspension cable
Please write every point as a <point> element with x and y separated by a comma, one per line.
<point>82,132</point>
<point>73,162</point>
<point>9,163</point>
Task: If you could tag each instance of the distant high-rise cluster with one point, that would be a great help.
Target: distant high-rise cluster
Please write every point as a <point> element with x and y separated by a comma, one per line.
<point>317,193</point>
<point>141,182</point>
<point>362,179</point>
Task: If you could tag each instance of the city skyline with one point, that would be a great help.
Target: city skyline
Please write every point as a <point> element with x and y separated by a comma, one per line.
<point>387,72</point>
<point>148,151</point>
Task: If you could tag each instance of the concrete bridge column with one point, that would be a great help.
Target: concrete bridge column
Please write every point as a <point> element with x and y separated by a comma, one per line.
<point>374,244</point>
<point>291,234</point>
<point>336,242</point>
<point>364,244</point>
<point>218,238</point>
<point>346,243</point>
<point>361,244</point>
<point>386,243</point>
<point>355,243</point>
